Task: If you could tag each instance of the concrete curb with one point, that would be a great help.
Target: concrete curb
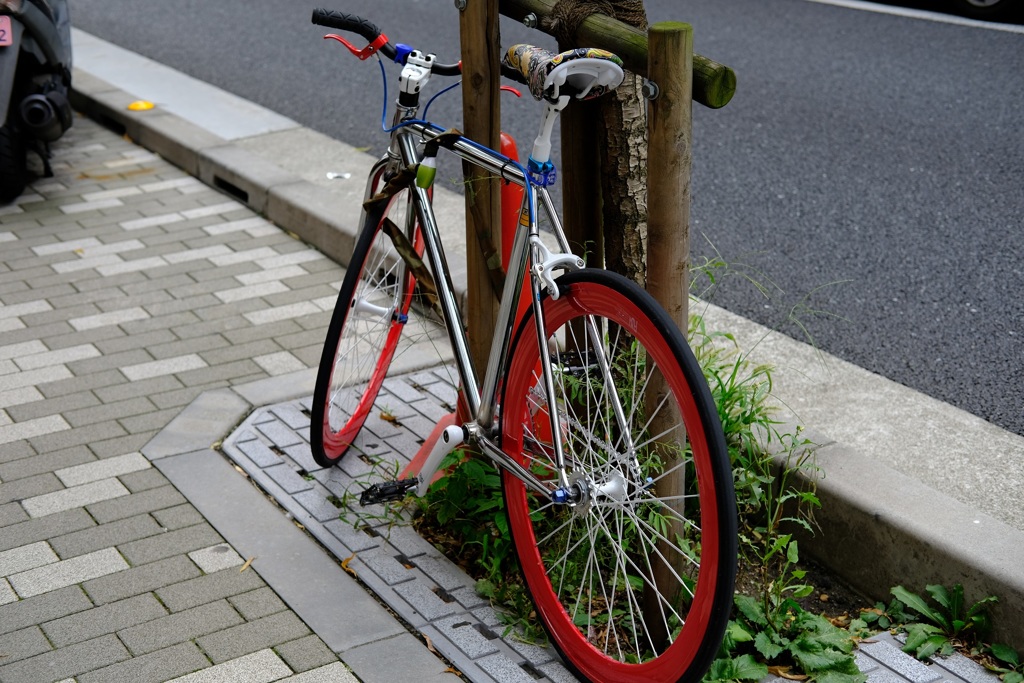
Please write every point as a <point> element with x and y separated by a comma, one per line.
<point>879,527</point>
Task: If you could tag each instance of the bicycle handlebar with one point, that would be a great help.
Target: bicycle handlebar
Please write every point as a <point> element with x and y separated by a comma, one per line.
<point>368,30</point>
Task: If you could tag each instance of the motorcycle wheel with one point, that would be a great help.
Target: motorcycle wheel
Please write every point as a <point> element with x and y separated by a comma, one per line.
<point>13,171</point>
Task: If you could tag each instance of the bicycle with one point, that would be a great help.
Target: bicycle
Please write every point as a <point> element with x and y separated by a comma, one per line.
<point>615,474</point>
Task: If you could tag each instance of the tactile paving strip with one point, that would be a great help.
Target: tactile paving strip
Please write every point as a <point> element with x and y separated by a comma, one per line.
<point>432,594</point>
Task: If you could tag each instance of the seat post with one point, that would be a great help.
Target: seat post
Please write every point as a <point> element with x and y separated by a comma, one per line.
<point>540,157</point>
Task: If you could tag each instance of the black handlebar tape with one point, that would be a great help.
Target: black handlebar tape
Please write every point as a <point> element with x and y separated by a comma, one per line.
<point>346,22</point>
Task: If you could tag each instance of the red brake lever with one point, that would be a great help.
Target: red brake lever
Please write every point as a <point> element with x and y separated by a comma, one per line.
<point>367,51</point>
<point>509,88</point>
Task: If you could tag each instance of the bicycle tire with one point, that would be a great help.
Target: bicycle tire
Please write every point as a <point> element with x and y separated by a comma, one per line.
<point>590,567</point>
<point>368,320</point>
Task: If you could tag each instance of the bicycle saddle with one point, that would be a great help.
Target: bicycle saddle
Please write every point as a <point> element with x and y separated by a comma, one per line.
<point>584,73</point>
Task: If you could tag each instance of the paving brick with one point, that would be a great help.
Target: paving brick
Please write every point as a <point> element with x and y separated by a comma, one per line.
<point>88,434</point>
<point>128,342</point>
<point>102,469</point>
<point>59,408</point>
<point>143,480</point>
<point>208,588</point>
<point>109,411</point>
<point>12,513</point>
<point>87,382</point>
<point>149,500</point>
<point>178,517</point>
<point>17,560</point>
<point>40,484</point>
<point>76,496</point>
<point>216,558</point>
<point>126,443</point>
<point>170,543</point>
<point>44,462</point>
<point>141,579</point>
<point>65,573</point>
<point>22,644</point>
<point>106,536</point>
<point>330,673</point>
<point>259,667</point>
<point>99,621</point>
<point>257,604</point>
<point>67,662</point>
<point>33,530</point>
<point>155,667</point>
<point>180,627</point>
<point>41,608</point>
<point>306,653</point>
<point>253,636</point>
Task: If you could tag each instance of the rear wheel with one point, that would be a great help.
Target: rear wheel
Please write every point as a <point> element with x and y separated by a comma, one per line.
<point>13,171</point>
<point>368,320</point>
<point>633,578</point>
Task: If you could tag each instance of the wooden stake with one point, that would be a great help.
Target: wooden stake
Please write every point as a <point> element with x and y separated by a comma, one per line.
<point>478,25</point>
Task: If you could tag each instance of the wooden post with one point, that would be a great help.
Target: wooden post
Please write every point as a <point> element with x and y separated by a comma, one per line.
<point>670,67</point>
<point>668,167</point>
<point>478,25</point>
<point>713,84</point>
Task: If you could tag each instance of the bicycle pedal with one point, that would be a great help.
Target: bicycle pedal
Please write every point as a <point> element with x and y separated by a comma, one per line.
<point>386,491</point>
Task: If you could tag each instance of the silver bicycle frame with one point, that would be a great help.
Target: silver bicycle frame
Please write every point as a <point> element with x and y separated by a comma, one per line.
<point>481,397</point>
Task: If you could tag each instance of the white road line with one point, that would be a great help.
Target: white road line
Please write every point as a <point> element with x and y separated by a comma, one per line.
<point>922,14</point>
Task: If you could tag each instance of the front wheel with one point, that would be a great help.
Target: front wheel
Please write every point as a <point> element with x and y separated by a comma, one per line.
<point>633,575</point>
<point>369,318</point>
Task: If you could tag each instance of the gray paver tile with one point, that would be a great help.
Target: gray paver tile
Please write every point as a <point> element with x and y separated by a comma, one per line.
<point>155,667</point>
<point>141,579</point>
<point>180,627</point>
<point>257,604</point>
<point>107,535</point>
<point>330,673</point>
<point>11,513</point>
<point>104,619</point>
<point>143,480</point>
<point>43,528</point>
<point>67,662</point>
<point>178,517</point>
<point>44,462</point>
<point>259,667</point>
<point>215,558</point>
<point>306,653</point>
<point>17,560</point>
<point>65,573</point>
<point>102,469</point>
<point>253,636</point>
<point>77,496</point>
<point>136,503</point>
<point>22,644</point>
<point>171,543</point>
<point>41,608</point>
<point>208,588</point>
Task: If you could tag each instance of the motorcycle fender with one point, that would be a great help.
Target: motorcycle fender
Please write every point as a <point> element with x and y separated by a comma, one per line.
<point>8,65</point>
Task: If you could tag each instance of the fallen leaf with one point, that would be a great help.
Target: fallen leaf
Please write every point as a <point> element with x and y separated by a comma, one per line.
<point>388,417</point>
<point>430,643</point>
<point>452,670</point>
<point>783,672</point>
<point>344,564</point>
<point>246,565</point>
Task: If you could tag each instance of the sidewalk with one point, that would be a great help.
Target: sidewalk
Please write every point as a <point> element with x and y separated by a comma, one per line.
<point>143,316</point>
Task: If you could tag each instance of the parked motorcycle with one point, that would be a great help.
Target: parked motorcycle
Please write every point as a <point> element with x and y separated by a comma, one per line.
<point>35,77</point>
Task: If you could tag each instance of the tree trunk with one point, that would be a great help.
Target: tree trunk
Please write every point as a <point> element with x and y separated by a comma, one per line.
<point>624,180</point>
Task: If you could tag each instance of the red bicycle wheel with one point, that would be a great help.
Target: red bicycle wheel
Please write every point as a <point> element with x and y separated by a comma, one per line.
<point>633,577</point>
<point>369,318</point>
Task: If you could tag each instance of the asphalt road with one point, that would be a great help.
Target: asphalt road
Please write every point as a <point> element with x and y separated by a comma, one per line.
<point>869,173</point>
